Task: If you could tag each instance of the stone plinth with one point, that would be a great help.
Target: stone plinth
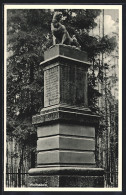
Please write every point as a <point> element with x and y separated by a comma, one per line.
<point>66,177</point>
<point>67,52</point>
<point>65,77</point>
<point>66,127</point>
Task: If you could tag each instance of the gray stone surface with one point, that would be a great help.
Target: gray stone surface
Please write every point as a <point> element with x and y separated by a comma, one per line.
<point>66,129</point>
<point>66,181</point>
<point>65,84</point>
<point>66,117</point>
<point>65,126</point>
<point>51,86</point>
<point>65,50</point>
<point>65,79</point>
<point>65,142</point>
<point>73,85</point>
<point>81,170</point>
<point>77,130</point>
<point>65,157</point>
<point>48,130</point>
<point>66,177</point>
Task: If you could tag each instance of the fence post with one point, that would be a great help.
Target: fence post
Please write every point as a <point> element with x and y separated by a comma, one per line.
<point>19,177</point>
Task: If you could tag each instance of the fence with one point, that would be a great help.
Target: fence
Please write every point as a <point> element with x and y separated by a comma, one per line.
<point>16,177</point>
<point>111,179</point>
<point>18,162</point>
<point>18,165</point>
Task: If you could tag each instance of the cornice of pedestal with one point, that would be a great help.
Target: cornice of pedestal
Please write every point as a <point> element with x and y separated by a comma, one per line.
<point>67,171</point>
<point>62,60</point>
<point>65,53</point>
<point>66,114</point>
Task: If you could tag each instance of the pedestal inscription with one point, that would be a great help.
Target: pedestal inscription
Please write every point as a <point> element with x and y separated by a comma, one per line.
<point>73,85</point>
<point>51,86</point>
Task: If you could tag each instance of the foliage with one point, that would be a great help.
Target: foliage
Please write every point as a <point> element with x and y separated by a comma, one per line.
<point>28,36</point>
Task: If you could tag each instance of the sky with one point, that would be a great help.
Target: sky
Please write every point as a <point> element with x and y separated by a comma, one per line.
<point>111,17</point>
<point>110,22</point>
<point>114,13</point>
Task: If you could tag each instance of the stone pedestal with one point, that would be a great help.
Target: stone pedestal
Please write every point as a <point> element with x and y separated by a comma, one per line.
<point>65,126</point>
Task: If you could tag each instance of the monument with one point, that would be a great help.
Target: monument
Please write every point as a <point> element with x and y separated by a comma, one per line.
<point>66,128</point>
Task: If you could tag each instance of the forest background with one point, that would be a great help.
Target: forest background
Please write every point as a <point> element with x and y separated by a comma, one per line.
<point>28,36</point>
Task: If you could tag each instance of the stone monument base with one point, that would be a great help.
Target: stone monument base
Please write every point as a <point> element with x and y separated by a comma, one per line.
<point>66,127</point>
<point>66,177</point>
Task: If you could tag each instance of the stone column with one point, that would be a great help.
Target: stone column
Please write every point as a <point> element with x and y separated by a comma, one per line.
<point>66,127</point>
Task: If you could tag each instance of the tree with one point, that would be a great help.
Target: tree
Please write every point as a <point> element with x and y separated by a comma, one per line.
<point>28,36</point>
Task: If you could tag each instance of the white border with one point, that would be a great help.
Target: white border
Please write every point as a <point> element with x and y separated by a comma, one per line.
<point>40,6</point>
<point>120,103</point>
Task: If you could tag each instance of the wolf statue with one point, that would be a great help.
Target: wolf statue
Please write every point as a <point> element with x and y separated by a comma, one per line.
<point>60,33</point>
